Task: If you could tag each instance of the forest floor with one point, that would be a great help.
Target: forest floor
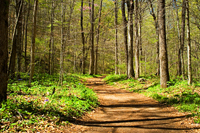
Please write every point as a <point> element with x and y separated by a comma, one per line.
<point>121,111</point>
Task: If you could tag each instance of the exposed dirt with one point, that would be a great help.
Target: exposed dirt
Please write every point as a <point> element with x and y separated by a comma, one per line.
<point>121,111</point>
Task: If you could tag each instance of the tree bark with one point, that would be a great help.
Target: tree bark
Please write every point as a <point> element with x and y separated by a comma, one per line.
<point>19,38</point>
<point>4,6</point>
<point>137,62</point>
<point>32,64</point>
<point>26,32</point>
<point>179,72</point>
<point>116,37</point>
<point>188,44</point>
<point>83,39</point>
<point>125,32</point>
<point>130,73</point>
<point>97,37</point>
<point>91,68</point>
<point>51,45</point>
<point>164,73</point>
<point>182,37</point>
<point>15,40</point>
<point>62,44</point>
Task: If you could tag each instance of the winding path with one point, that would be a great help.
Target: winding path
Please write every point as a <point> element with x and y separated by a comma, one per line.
<point>121,111</point>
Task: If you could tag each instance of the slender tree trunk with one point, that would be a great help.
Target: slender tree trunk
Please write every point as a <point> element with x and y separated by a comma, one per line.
<point>137,62</point>
<point>26,32</point>
<point>179,72</point>
<point>125,32</point>
<point>97,37</point>
<point>83,39</point>
<point>4,6</point>
<point>130,73</point>
<point>62,44</point>
<point>182,37</point>
<point>19,38</point>
<point>140,37</point>
<point>116,37</point>
<point>51,44</point>
<point>188,44</point>
<point>15,41</point>
<point>91,68</point>
<point>164,73</point>
<point>32,64</point>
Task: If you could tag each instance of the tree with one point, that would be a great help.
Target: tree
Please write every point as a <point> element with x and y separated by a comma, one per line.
<point>62,44</point>
<point>179,38</point>
<point>188,44</point>
<point>83,39</point>
<point>137,63</point>
<point>32,64</point>
<point>51,44</point>
<point>26,32</point>
<point>97,37</point>
<point>130,73</point>
<point>116,37</point>
<point>91,68</point>
<point>4,5</point>
<point>164,72</point>
<point>182,38</point>
<point>125,32</point>
<point>16,40</point>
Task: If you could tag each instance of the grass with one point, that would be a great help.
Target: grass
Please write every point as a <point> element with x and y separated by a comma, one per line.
<point>180,95</point>
<point>34,108</point>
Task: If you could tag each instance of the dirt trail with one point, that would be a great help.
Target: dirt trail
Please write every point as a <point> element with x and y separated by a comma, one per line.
<point>121,111</point>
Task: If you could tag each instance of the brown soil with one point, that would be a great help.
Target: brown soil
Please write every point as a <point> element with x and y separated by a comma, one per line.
<point>121,111</point>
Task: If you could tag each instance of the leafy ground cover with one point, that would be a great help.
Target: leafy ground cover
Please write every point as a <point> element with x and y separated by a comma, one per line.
<point>180,95</point>
<point>45,105</point>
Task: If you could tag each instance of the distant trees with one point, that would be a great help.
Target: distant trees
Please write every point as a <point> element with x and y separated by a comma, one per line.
<point>98,38</point>
<point>4,6</point>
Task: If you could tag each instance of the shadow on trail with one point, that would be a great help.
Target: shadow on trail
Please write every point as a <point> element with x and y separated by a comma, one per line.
<point>130,111</point>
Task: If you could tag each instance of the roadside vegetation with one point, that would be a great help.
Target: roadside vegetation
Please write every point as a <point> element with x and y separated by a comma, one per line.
<point>178,93</point>
<point>45,105</point>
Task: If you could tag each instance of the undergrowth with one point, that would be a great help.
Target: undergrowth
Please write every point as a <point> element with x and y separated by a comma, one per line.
<point>180,95</point>
<point>45,104</point>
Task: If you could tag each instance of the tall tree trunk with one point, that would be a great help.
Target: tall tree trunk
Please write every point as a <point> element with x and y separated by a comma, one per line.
<point>51,45</point>
<point>164,72</point>
<point>15,41</point>
<point>182,36</point>
<point>32,64</point>
<point>83,39</point>
<point>19,38</point>
<point>4,6</point>
<point>116,37</point>
<point>62,44</point>
<point>137,62</point>
<point>179,72</point>
<point>140,37</point>
<point>26,32</point>
<point>188,44</point>
<point>125,32</point>
<point>97,37</point>
<point>91,68</point>
<point>130,73</point>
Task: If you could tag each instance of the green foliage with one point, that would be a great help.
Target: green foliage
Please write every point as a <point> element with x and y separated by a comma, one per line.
<point>26,106</point>
<point>110,79</point>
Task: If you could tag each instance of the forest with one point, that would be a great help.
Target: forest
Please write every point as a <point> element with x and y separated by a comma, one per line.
<point>51,49</point>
